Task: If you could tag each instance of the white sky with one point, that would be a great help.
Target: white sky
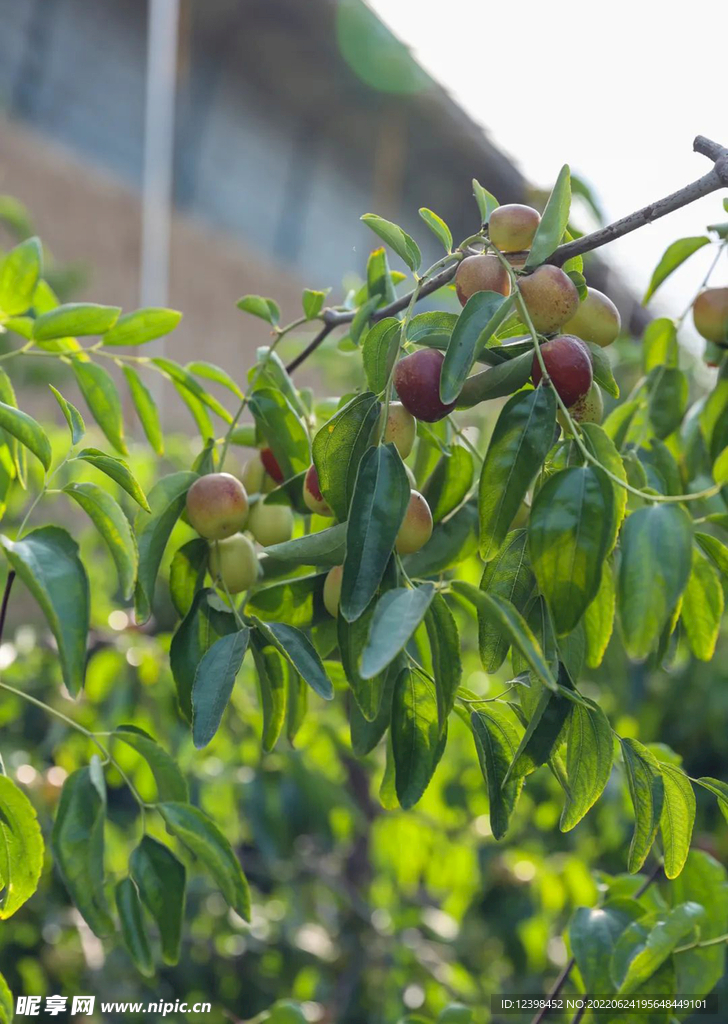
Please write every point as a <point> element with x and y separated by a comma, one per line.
<point>618,91</point>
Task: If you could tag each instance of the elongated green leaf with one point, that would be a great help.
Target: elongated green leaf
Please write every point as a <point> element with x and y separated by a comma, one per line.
<point>447,669</point>
<point>432,328</point>
<point>648,796</point>
<point>207,620</point>
<point>75,318</point>
<point>47,562</point>
<point>365,734</point>
<point>397,239</point>
<point>715,549</point>
<point>129,909</point>
<point>214,681</point>
<point>520,442</point>
<point>300,652</point>
<point>141,326</point>
<point>599,619</point>
<point>380,501</point>
<point>702,880</point>
<point>19,273</point>
<point>659,344</point>
<point>161,880</point>
<point>78,845</point>
<point>486,202</point>
<point>114,528</point>
<point>544,727</point>
<point>702,606</point>
<point>671,259</point>
<point>118,470</point>
<point>200,835</point>
<point>379,352</point>
<point>594,932</point>
<point>467,338</point>
<point>72,416</point>
<point>718,789</point>
<point>677,818</point>
<point>21,848</point>
<point>102,398</point>
<point>438,227</point>
<point>338,449</point>
<point>273,680</point>
<point>449,482</point>
<point>209,371</point>
<point>266,309</point>
<point>514,627</point>
<point>589,757</point>
<point>397,615</point>
<point>146,409</point>
<point>644,957</point>
<point>496,742</point>
<point>507,576</point>
<point>569,532</point>
<point>187,573</point>
<point>325,548</point>
<point>496,382</point>
<point>352,638</point>
<point>166,501</point>
<point>553,221</point>
<point>654,570</point>
<point>298,601</point>
<point>185,382</point>
<point>270,372</point>
<point>283,429</point>
<point>415,735</point>
<point>169,780</point>
<point>7,1003</point>
<point>379,278</point>
<point>27,431</point>
<point>668,399</point>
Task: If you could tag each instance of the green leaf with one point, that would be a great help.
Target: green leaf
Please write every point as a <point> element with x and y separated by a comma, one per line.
<point>191,390</point>
<point>7,1003</point>
<point>496,741</point>
<point>599,619</point>
<point>28,432</point>
<point>324,549</point>
<point>593,933</point>
<point>352,638</point>
<point>452,541</point>
<point>338,449</point>
<point>486,202</point>
<point>283,429</point>
<point>602,447</point>
<point>672,258</point>
<point>214,680</point>
<point>118,470</point>
<point>21,848</point>
<point>169,780</point>
<point>380,283</point>
<point>715,549</point>
<point>47,562</point>
<point>209,371</point>
<point>397,615</point>
<point>415,735</point>
<point>300,652</point>
<point>114,528</point>
<point>17,452</point>
<point>449,482</point>
<point>447,669</point>
<point>659,344</point>
<point>602,369</point>
<point>161,880</point>
<point>298,601</point>
<point>207,620</point>
<point>75,319</point>
<point>187,573</point>
<point>166,502</point>
<point>702,880</point>
<point>98,388</point>
<point>468,337</point>
<point>133,932</point>
<point>397,239</point>
<point>509,577</point>
<point>677,818</point>
<point>77,842</point>
<point>553,221</point>
<point>702,607</point>
<point>645,956</point>
<point>514,627</point>
<point>379,352</point>
<point>438,227</point>
<point>146,409</point>
<point>270,372</point>
<point>266,309</point>
<point>380,501</point>
<point>365,734</point>
<point>432,328</point>
<point>455,1013</point>
<point>648,796</point>
<point>19,273</point>
<point>497,382</point>
<point>656,558</point>
<point>141,326</point>
<point>668,399</point>
<point>569,532</point>
<point>589,756</point>
<point>313,302</point>
<point>539,741</point>
<point>518,446</point>
<point>209,845</point>
<point>273,680</point>
<point>72,416</point>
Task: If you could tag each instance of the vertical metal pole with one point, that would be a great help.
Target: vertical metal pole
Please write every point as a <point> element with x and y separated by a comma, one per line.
<point>162,34</point>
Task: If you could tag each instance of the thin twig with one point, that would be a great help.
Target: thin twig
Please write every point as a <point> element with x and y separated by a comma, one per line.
<point>6,599</point>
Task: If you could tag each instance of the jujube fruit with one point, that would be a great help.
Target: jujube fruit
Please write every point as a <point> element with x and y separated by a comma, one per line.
<point>596,320</point>
<point>481,273</point>
<point>568,365</point>
<point>270,463</point>
<point>217,505</point>
<point>551,298</point>
<point>710,315</point>
<point>254,476</point>
<point>401,429</point>
<point>235,562</point>
<point>416,528</point>
<point>332,590</point>
<point>417,380</point>
<point>270,524</point>
<point>511,228</point>
<point>588,409</point>
<point>312,495</point>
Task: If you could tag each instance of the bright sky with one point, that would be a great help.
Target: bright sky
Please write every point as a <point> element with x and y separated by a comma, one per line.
<point>617,90</point>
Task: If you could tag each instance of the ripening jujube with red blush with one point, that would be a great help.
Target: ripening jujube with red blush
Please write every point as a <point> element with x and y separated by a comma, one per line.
<point>551,298</point>
<point>312,495</point>
<point>596,320</point>
<point>710,315</point>
<point>481,273</point>
<point>568,365</point>
<point>416,528</point>
<point>401,429</point>
<point>511,228</point>
<point>332,590</point>
<point>234,562</point>
<point>417,380</point>
<point>270,464</point>
<point>217,505</point>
